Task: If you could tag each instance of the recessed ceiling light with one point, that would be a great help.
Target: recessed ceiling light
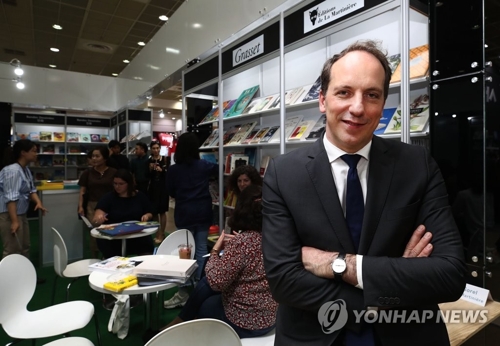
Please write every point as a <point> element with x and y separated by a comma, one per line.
<point>53,66</point>
<point>196,25</point>
<point>126,61</point>
<point>141,43</point>
<point>173,118</point>
<point>163,17</point>
<point>172,50</point>
<point>57,27</point>
<point>54,49</point>
<point>114,74</point>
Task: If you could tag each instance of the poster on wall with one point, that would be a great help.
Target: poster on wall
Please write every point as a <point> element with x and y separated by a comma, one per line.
<point>166,141</point>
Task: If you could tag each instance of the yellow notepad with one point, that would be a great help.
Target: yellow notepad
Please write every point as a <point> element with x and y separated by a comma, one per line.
<point>120,285</point>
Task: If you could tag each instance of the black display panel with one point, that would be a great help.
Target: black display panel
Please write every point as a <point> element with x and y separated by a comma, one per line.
<point>39,119</point>
<point>114,121</point>
<point>122,117</point>
<point>201,74</point>
<point>139,115</point>
<point>91,122</point>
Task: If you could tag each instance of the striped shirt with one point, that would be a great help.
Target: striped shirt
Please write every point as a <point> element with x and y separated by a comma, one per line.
<point>16,184</point>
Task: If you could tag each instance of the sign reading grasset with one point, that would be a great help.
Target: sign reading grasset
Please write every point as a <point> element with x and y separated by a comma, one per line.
<point>328,11</point>
<point>248,50</point>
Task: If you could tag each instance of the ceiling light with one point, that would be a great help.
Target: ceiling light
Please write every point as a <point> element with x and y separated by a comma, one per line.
<point>163,17</point>
<point>126,61</point>
<point>196,25</point>
<point>53,66</point>
<point>19,84</point>
<point>54,49</point>
<point>173,118</point>
<point>172,50</point>
<point>140,43</point>
<point>485,45</point>
<point>57,27</point>
<point>161,114</point>
<point>18,69</point>
<point>114,74</point>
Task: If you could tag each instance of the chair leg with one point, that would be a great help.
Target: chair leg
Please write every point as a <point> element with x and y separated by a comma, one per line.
<point>13,342</point>
<point>69,286</point>
<point>54,290</point>
<point>97,330</point>
<point>33,342</point>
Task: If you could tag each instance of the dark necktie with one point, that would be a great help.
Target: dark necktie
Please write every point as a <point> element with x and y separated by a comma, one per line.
<point>354,211</point>
<point>354,202</point>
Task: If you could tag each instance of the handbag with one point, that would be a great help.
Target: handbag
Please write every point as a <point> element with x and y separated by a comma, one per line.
<point>120,316</point>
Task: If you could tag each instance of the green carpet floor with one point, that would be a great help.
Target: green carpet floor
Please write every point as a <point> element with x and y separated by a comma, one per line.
<point>81,290</point>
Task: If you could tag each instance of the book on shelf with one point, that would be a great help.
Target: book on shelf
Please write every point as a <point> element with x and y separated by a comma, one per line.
<point>419,116</point>
<point>419,64</point>
<point>242,101</point>
<point>47,149</point>
<point>259,135</point>
<point>250,135</point>
<point>105,138</point>
<point>95,138</point>
<point>210,157</point>
<point>85,137</point>
<point>301,130</point>
<point>252,106</point>
<point>313,93</point>
<point>242,133</point>
<point>45,136</point>
<point>238,160</point>
<point>290,125</point>
<point>74,149</point>
<point>140,135</point>
<point>81,160</point>
<point>213,188</point>
<point>211,139</point>
<point>318,128</point>
<point>276,102</point>
<point>264,102</point>
<point>386,117</point>
<point>228,135</point>
<point>251,153</point>
<point>73,137</point>
<point>264,162</point>
<point>301,94</point>
<point>71,160</point>
<point>131,151</point>
<point>227,105</point>
<point>44,161</point>
<point>22,136</point>
<point>34,136</point>
<point>60,149</point>
<point>59,136</point>
<point>269,134</point>
<point>57,174</point>
<point>292,95</point>
<point>113,265</point>
<point>394,61</point>
<point>58,160</point>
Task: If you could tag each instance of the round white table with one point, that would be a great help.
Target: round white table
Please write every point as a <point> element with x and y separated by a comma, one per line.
<point>98,279</point>
<point>147,231</point>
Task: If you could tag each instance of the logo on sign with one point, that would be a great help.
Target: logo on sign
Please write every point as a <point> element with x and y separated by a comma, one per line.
<point>248,50</point>
<point>328,11</point>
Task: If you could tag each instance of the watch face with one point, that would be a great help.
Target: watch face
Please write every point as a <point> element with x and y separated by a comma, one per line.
<point>339,266</point>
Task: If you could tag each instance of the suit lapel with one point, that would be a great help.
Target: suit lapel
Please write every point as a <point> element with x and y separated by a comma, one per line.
<point>320,172</point>
<point>381,169</point>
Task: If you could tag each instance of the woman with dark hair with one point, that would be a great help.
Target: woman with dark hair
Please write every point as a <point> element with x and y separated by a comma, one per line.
<point>94,183</point>
<point>235,289</point>
<point>187,182</point>
<point>16,190</point>
<point>242,177</point>
<point>157,189</point>
<point>123,204</point>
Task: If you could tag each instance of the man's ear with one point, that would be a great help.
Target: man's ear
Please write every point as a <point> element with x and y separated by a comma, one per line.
<point>322,107</point>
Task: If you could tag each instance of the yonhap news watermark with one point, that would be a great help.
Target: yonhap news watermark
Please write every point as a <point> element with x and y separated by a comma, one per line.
<point>333,316</point>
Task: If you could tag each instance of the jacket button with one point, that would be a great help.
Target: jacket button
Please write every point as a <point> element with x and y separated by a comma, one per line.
<point>397,300</point>
<point>381,300</point>
<point>391,301</point>
<point>386,300</point>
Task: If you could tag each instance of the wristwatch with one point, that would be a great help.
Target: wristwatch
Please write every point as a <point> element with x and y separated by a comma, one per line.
<point>339,266</point>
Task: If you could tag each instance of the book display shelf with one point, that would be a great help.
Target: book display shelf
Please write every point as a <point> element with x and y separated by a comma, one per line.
<point>62,141</point>
<point>132,126</point>
<point>268,81</point>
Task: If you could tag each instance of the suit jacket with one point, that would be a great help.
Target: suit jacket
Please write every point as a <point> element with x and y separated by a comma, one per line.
<point>301,208</point>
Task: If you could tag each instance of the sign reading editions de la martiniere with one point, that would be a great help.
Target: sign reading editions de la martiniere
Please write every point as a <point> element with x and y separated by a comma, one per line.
<point>328,11</point>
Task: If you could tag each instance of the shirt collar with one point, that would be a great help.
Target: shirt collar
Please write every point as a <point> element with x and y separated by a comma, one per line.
<point>334,152</point>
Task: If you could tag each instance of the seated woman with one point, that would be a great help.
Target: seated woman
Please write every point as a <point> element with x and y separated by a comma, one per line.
<point>235,289</point>
<point>123,204</point>
<point>242,177</point>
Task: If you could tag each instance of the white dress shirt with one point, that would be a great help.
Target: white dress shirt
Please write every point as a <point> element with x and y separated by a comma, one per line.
<point>339,172</point>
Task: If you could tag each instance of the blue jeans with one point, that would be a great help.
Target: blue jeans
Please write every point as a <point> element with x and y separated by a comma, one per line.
<point>204,302</point>
<point>200,234</point>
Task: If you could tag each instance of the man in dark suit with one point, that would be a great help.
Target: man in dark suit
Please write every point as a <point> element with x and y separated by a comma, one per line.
<point>319,269</point>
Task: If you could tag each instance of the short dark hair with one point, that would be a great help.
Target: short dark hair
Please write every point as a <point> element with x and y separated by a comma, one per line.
<point>21,145</point>
<point>154,143</point>
<point>247,214</point>
<point>187,148</point>
<point>249,171</point>
<point>127,177</point>
<point>113,143</point>
<point>370,46</point>
<point>103,150</point>
<point>143,146</point>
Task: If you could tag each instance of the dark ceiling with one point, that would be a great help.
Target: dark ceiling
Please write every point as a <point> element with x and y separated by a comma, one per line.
<point>97,35</point>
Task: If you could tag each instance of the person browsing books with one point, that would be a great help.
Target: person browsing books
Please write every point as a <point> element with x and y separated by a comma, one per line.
<point>123,204</point>
<point>17,189</point>
<point>235,289</point>
<point>94,183</point>
<point>348,222</point>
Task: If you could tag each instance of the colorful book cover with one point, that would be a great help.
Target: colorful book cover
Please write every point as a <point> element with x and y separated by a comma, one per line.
<point>301,130</point>
<point>419,64</point>
<point>94,138</point>
<point>318,128</point>
<point>269,134</point>
<point>45,160</point>
<point>250,135</point>
<point>74,149</point>
<point>227,107</point>
<point>228,135</point>
<point>59,136</point>
<point>252,106</point>
<point>290,125</point>
<point>419,116</point>
<point>301,94</point>
<point>211,138</point>
<point>210,157</point>
<point>105,139</point>
<point>387,115</point>
<point>394,61</point>
<point>259,135</point>
<point>292,95</point>
<point>45,136</point>
<point>252,154</point>
<point>242,133</point>
<point>210,115</point>
<point>313,93</point>
<point>58,160</point>
<point>73,137</point>
<point>276,102</point>
<point>34,136</point>
<point>23,135</point>
<point>266,101</point>
<point>47,149</point>
<point>60,149</point>
<point>85,137</point>
<point>242,101</point>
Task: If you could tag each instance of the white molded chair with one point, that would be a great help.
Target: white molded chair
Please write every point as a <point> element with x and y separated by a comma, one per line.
<point>17,286</point>
<point>205,331</point>
<point>74,270</point>
<point>169,244</point>
<point>264,340</point>
<point>71,341</point>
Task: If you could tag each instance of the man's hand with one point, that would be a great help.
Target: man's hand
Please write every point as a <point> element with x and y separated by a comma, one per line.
<point>14,226</point>
<point>419,244</point>
<point>39,206</point>
<point>318,262</point>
